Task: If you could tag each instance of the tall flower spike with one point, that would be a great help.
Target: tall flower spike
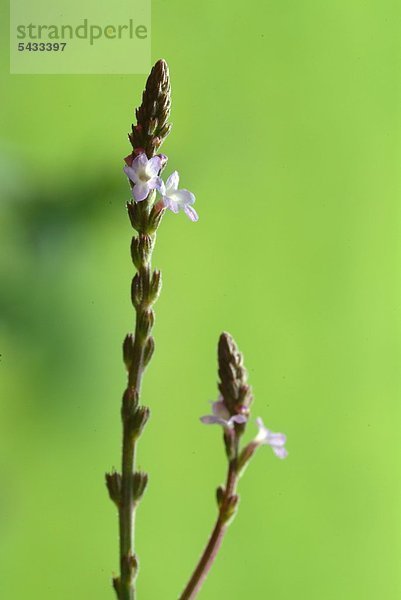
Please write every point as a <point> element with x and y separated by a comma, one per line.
<point>233,385</point>
<point>152,127</point>
<point>143,169</point>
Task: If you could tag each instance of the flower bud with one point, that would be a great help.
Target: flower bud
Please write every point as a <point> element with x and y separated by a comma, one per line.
<point>140,481</point>
<point>245,457</point>
<point>152,126</point>
<point>139,419</point>
<point>134,213</point>
<point>135,254</point>
<point>148,351</point>
<point>128,350</point>
<point>154,144</point>
<point>166,130</point>
<point>113,483</point>
<point>230,508</point>
<point>220,495</point>
<point>229,443</point>
<point>137,291</point>
<point>129,404</point>
<point>155,217</point>
<point>141,249</point>
<point>155,286</point>
<point>145,322</point>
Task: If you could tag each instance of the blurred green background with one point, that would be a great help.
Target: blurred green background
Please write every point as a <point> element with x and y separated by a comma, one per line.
<point>287,128</point>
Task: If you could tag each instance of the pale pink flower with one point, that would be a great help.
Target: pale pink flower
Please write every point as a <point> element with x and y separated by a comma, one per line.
<point>267,437</point>
<point>144,174</point>
<point>221,416</point>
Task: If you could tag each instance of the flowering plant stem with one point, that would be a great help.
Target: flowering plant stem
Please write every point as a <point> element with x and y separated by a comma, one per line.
<point>223,520</point>
<point>127,508</point>
<point>144,167</point>
<point>231,412</point>
<point>134,417</point>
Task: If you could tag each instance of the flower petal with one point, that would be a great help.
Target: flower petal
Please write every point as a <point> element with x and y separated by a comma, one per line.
<point>156,183</point>
<point>277,439</point>
<point>184,197</point>
<point>140,162</point>
<point>140,191</point>
<point>219,410</point>
<point>210,420</point>
<point>131,174</point>
<point>191,213</point>
<point>172,182</point>
<point>153,166</point>
<point>280,452</point>
<point>239,419</point>
<point>263,432</point>
<point>171,204</point>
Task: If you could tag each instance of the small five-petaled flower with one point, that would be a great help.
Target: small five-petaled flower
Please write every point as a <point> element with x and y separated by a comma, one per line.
<point>144,174</point>
<point>221,416</point>
<point>275,440</point>
<point>176,199</point>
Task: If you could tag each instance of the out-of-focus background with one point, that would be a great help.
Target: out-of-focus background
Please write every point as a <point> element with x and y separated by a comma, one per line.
<point>287,128</point>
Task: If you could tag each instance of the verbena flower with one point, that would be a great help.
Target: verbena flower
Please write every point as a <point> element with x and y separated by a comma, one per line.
<point>144,174</point>
<point>221,416</point>
<point>267,437</point>
<point>176,199</point>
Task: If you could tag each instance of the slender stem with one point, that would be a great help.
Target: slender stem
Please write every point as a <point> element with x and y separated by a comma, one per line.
<point>127,506</point>
<point>126,489</point>
<point>133,421</point>
<point>210,552</point>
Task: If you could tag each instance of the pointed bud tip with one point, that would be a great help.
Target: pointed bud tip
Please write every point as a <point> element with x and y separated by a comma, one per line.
<point>161,64</point>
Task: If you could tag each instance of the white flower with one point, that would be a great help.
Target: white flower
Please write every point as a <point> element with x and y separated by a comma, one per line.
<point>144,175</point>
<point>275,440</point>
<point>176,199</point>
<point>221,416</point>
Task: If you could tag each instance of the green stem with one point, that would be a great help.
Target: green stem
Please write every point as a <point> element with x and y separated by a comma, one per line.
<point>132,427</point>
<point>210,552</point>
<point>127,505</point>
